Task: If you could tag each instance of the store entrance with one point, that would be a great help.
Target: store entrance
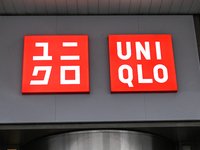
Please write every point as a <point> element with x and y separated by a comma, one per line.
<point>102,140</point>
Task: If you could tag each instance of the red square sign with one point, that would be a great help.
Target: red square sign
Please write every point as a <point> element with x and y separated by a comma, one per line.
<point>141,63</point>
<point>55,64</point>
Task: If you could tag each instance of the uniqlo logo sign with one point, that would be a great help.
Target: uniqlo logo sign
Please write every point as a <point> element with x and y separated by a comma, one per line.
<point>141,63</point>
<point>55,64</point>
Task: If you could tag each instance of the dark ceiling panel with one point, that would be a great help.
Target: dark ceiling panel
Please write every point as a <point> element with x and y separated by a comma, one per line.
<point>155,6</point>
<point>98,7</point>
<point>176,5</point>
<point>165,7</point>
<point>2,10</point>
<point>124,6</point>
<point>134,7</point>
<point>83,7</point>
<point>62,6</point>
<point>145,6</point>
<point>51,6</point>
<point>93,7</point>
<point>103,7</point>
<point>195,8</point>
<point>30,7</point>
<point>72,7</point>
<point>114,6</point>
<point>19,7</point>
<point>9,7</point>
<point>186,5</point>
<point>41,7</point>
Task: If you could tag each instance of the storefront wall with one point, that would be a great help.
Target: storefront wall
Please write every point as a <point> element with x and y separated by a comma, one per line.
<point>100,104</point>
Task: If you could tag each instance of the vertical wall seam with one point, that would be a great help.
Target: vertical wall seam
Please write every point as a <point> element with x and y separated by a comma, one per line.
<point>196,19</point>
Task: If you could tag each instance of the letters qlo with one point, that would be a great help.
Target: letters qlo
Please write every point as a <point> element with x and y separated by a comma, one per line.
<point>55,64</point>
<point>141,63</point>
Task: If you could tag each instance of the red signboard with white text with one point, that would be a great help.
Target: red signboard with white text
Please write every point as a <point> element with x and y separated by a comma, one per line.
<point>141,63</point>
<point>55,64</point>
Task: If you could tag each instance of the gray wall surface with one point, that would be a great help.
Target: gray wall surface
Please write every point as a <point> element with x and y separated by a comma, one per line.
<point>100,104</point>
